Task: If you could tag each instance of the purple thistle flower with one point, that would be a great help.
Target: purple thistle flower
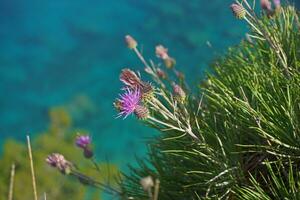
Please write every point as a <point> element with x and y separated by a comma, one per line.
<point>82,141</point>
<point>128,102</point>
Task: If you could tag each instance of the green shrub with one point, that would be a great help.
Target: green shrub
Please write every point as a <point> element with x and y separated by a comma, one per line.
<point>239,136</point>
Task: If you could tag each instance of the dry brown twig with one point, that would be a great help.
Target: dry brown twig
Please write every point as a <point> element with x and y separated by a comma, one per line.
<point>11,182</point>
<point>32,168</point>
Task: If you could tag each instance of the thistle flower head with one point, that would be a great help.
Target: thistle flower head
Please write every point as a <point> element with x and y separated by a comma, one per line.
<point>131,43</point>
<point>128,102</point>
<point>238,10</point>
<point>141,112</point>
<point>58,161</point>
<point>82,141</point>
<point>130,78</point>
<point>266,5</point>
<point>161,52</point>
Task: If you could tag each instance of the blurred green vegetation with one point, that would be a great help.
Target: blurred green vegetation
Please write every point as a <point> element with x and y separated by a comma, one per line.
<point>59,138</point>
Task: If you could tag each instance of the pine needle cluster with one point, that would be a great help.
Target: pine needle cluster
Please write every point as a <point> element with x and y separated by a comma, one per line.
<point>238,136</point>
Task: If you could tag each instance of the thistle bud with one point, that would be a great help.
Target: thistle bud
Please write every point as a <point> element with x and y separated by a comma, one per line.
<point>88,153</point>
<point>141,112</point>
<point>147,92</point>
<point>147,183</point>
<point>169,62</point>
<point>130,78</point>
<point>179,93</point>
<point>238,10</point>
<point>161,74</point>
<point>58,161</point>
<point>266,5</point>
<point>131,43</point>
<point>179,75</point>
<point>277,4</point>
<point>161,52</point>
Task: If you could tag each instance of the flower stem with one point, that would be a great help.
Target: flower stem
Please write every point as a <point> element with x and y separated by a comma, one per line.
<point>166,124</point>
<point>96,165</point>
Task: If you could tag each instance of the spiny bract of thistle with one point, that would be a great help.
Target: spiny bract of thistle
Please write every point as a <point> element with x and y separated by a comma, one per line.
<point>247,121</point>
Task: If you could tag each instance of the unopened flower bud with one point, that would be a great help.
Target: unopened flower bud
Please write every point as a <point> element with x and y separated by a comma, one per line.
<point>88,153</point>
<point>179,93</point>
<point>277,4</point>
<point>147,183</point>
<point>179,75</point>
<point>130,78</point>
<point>147,92</point>
<point>238,10</point>
<point>161,52</point>
<point>58,161</point>
<point>141,112</point>
<point>161,74</point>
<point>169,62</point>
<point>266,5</point>
<point>131,43</point>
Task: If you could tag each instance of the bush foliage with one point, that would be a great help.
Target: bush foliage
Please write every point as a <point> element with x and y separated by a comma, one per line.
<point>246,118</point>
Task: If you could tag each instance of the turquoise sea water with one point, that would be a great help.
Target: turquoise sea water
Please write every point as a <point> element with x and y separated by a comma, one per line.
<point>60,52</point>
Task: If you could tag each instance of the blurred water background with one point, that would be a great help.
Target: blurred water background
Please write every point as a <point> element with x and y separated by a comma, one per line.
<point>60,52</point>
